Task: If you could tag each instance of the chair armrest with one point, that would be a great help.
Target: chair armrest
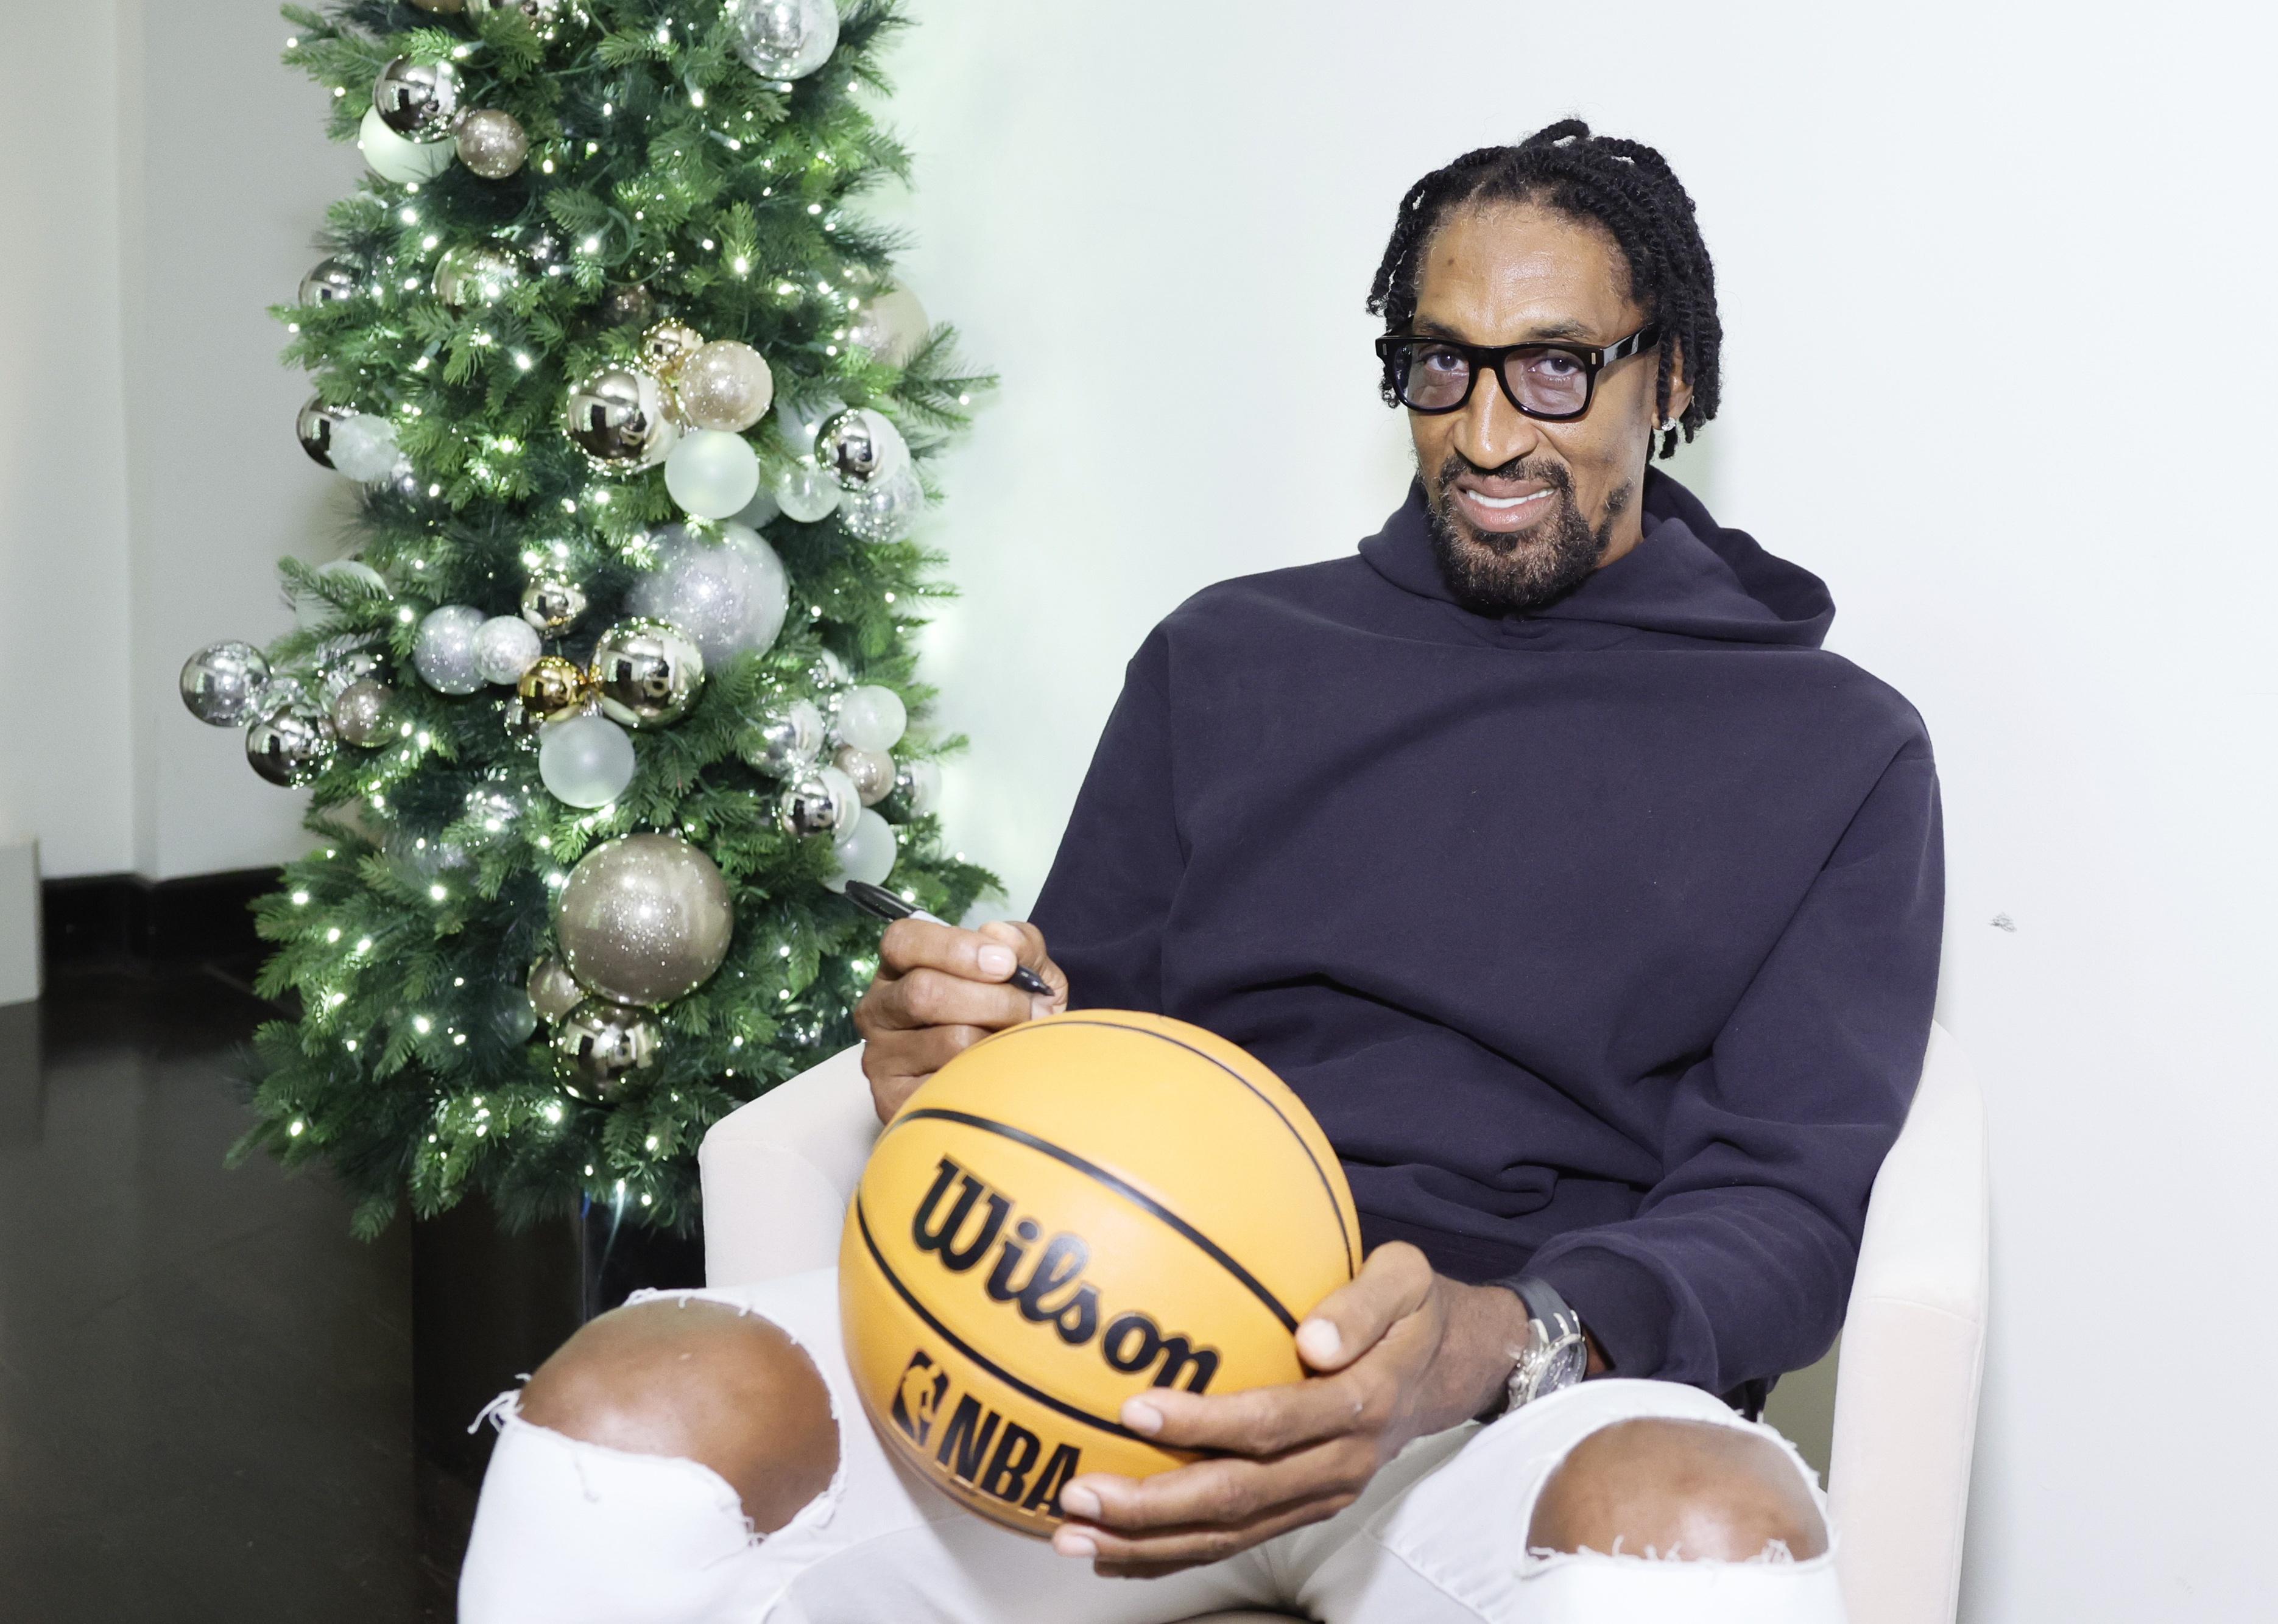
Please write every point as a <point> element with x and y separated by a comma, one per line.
<point>1913,1354</point>
<point>778,1172</point>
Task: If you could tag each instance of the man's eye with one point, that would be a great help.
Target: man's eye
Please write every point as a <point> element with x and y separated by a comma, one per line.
<point>1441,361</point>
<point>1553,364</point>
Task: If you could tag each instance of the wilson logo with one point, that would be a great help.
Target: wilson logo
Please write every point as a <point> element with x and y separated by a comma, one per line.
<point>977,1446</point>
<point>959,1228</point>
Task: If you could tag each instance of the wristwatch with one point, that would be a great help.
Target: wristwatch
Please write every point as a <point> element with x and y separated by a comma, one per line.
<point>1556,1354</point>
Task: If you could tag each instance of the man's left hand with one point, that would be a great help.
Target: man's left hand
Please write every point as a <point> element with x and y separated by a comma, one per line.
<point>1401,1353</point>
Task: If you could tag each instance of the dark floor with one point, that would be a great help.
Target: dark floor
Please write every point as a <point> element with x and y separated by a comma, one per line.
<point>205,1384</point>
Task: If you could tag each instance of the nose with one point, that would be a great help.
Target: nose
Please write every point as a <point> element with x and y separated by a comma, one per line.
<point>1490,430</point>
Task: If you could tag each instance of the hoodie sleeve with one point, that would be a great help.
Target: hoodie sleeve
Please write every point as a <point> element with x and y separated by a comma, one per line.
<point>1738,1265</point>
<point>1103,907</point>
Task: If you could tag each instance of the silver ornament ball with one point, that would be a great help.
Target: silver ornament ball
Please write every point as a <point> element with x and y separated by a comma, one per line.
<point>224,684</point>
<point>553,605</point>
<point>342,671</point>
<point>314,428</point>
<point>332,281</point>
<point>290,745</point>
<point>885,510</point>
<point>823,801</point>
<point>505,647</point>
<point>644,920</point>
<point>788,740</point>
<point>785,39</point>
<point>360,712</point>
<point>606,1041</point>
<point>553,992</point>
<point>728,592</point>
<point>918,786</point>
<point>646,672</point>
<point>444,650</point>
<point>477,273</point>
<point>861,447</point>
<point>417,100</point>
<point>617,418</point>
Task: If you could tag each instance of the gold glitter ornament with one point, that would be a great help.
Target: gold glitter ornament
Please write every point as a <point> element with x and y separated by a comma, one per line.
<point>668,344</point>
<point>644,920</point>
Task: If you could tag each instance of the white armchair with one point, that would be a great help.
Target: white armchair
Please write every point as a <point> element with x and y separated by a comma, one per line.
<point>778,1174</point>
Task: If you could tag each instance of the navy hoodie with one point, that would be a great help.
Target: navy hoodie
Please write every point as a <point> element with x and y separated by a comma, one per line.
<point>1601,939</point>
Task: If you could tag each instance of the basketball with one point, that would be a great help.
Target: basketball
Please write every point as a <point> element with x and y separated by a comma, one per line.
<point>1070,1212</point>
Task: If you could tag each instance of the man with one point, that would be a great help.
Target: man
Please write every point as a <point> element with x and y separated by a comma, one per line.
<point>1589,905</point>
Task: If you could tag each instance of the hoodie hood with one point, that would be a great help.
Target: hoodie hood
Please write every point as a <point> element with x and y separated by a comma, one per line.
<point>1689,577</point>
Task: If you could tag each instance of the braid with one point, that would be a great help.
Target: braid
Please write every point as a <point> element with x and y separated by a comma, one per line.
<point>1623,186</point>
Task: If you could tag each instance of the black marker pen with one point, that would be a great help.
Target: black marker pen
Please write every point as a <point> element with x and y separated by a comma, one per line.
<point>876,899</point>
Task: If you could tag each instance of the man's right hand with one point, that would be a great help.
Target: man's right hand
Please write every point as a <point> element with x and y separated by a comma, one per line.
<point>940,989</point>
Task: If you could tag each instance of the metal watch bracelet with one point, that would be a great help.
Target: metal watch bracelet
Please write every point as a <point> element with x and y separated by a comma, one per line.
<point>1556,1355</point>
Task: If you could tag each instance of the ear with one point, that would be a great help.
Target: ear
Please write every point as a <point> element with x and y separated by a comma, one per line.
<point>1680,385</point>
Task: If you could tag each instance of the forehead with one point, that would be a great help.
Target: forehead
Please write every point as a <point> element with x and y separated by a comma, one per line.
<point>1503,274</point>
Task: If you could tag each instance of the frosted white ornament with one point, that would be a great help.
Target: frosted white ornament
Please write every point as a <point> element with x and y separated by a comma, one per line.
<point>711,474</point>
<point>785,39</point>
<point>444,650</point>
<point>724,386</point>
<point>804,492</point>
<point>871,717</point>
<point>394,158</point>
<point>364,448</point>
<point>728,592</point>
<point>585,760</point>
<point>866,852</point>
<point>890,325</point>
<point>506,645</point>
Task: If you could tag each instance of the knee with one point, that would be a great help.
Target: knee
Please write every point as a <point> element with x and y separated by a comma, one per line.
<point>1689,1488</point>
<point>701,1380</point>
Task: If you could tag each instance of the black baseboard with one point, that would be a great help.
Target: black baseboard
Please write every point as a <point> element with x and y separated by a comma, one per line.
<point>125,919</point>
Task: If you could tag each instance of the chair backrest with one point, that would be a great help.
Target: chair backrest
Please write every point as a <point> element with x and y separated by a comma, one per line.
<point>1913,1354</point>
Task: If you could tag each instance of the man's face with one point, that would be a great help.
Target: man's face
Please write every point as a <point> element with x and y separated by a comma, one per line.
<point>1524,510</point>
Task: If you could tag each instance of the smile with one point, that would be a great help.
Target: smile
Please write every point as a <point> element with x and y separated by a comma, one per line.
<point>1504,504</point>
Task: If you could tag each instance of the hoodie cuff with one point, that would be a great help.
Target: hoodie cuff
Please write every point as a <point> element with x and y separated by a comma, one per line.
<point>1620,1303</point>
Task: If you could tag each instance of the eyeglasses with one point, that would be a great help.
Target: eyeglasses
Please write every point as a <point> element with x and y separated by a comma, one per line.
<point>1553,382</point>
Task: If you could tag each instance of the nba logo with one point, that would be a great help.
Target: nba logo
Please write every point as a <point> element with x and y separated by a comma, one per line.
<point>918,1396</point>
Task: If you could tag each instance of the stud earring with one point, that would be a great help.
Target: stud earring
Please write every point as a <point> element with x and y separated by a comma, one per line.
<point>1669,425</point>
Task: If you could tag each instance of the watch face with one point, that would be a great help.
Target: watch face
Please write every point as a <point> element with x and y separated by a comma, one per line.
<point>1569,1363</point>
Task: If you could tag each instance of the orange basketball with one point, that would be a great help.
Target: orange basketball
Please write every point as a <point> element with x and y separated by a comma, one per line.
<point>1068,1212</point>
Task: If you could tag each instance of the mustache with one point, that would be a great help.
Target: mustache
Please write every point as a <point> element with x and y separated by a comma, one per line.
<point>1543,470</point>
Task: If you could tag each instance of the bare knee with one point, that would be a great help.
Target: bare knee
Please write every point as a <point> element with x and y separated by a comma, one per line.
<point>1691,1489</point>
<point>698,1379</point>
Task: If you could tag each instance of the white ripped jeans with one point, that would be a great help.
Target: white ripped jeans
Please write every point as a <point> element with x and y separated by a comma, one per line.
<point>573,1533</point>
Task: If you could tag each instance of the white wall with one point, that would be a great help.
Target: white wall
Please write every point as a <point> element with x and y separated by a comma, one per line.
<point>1955,240</point>
<point>1991,276</point>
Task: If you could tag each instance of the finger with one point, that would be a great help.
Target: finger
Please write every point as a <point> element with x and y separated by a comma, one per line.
<point>916,944</point>
<point>1227,1492</point>
<point>928,997</point>
<point>1144,1556</point>
<point>1392,1283</point>
<point>1262,1420</point>
<point>1028,943</point>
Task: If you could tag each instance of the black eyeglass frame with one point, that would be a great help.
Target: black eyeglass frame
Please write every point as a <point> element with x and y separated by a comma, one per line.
<point>1484,358</point>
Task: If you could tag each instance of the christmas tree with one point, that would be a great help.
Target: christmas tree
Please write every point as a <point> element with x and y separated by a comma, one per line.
<point>591,754</point>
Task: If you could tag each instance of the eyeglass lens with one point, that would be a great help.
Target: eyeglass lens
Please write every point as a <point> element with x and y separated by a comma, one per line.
<point>1434,377</point>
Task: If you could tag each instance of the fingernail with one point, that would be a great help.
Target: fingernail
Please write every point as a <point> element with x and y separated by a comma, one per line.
<point>1067,1542</point>
<point>1079,1501</point>
<point>1318,1339</point>
<point>1038,1008</point>
<point>997,961</point>
<point>1142,1416</point>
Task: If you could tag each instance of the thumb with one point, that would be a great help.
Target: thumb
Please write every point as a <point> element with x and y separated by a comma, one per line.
<point>1392,1285</point>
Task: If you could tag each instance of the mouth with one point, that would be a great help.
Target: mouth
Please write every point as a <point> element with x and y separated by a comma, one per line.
<point>1507,512</point>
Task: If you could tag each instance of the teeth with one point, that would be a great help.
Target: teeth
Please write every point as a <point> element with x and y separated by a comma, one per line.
<point>1504,501</point>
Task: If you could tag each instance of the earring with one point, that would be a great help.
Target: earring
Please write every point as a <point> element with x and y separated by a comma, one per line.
<point>1669,425</point>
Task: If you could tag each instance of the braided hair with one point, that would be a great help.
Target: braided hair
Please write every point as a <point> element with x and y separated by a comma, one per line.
<point>1623,186</point>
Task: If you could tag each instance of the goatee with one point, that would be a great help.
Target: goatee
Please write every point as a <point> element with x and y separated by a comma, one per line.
<point>1492,574</point>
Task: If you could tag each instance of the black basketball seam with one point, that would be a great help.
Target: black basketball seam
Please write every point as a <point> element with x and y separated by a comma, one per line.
<point>1352,1262</point>
<point>862,1222</point>
<point>1136,1197</point>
